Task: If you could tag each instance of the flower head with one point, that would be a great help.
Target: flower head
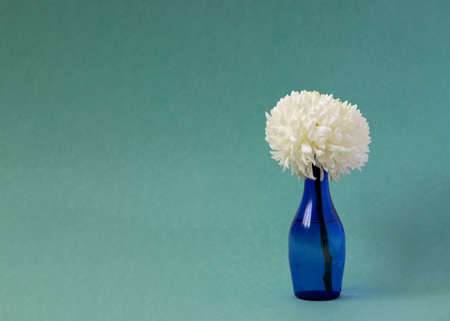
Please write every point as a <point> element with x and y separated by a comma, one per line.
<point>307,128</point>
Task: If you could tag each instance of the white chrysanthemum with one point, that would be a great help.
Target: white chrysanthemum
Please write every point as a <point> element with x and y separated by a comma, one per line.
<point>308,128</point>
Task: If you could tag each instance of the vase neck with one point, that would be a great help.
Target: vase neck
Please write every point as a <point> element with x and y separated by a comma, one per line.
<point>321,181</point>
<point>316,198</point>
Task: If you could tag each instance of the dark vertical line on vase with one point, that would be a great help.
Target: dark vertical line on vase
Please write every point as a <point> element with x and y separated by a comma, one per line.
<point>323,233</point>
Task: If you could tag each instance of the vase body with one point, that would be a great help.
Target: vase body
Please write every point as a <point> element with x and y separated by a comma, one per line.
<point>317,243</point>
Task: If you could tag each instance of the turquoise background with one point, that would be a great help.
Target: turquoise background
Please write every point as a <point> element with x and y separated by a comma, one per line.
<point>136,183</point>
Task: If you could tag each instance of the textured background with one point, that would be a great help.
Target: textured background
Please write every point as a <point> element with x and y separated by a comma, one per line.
<point>136,183</point>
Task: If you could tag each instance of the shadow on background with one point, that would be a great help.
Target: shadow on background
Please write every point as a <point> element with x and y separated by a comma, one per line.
<point>411,239</point>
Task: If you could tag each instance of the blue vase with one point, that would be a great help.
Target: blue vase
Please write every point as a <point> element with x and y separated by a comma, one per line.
<point>317,243</point>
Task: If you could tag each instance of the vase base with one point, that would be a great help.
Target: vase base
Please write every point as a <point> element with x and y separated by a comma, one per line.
<point>317,295</point>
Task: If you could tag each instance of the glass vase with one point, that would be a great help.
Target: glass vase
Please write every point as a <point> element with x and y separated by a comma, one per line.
<point>317,243</point>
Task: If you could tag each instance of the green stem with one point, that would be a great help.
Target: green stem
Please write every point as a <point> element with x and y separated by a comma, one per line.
<point>327,280</point>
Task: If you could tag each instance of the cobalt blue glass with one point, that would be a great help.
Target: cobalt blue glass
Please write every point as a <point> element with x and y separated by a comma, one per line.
<point>317,243</point>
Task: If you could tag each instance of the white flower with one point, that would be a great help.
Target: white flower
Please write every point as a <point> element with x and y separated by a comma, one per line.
<point>308,128</point>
